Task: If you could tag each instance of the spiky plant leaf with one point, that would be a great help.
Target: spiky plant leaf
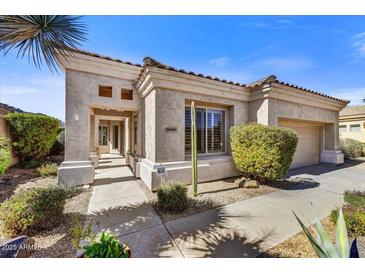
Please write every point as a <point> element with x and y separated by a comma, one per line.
<point>42,37</point>
<point>325,243</point>
<point>354,252</point>
<point>342,240</point>
<point>317,248</point>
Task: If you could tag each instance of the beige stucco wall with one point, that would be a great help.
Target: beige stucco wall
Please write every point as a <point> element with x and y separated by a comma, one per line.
<point>170,112</point>
<point>360,136</point>
<point>4,130</point>
<point>82,93</point>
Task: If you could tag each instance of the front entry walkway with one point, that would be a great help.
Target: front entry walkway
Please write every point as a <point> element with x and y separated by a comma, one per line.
<point>241,229</point>
<point>119,205</point>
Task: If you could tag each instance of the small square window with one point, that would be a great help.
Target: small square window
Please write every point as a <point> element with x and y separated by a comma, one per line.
<point>105,91</point>
<point>126,94</point>
<point>343,128</point>
<point>355,128</point>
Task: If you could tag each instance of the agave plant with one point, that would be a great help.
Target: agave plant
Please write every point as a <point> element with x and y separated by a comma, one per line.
<point>41,37</point>
<point>324,247</point>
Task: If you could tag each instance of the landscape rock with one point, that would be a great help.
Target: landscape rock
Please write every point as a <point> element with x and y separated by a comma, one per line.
<point>19,247</point>
<point>251,184</point>
<point>240,182</point>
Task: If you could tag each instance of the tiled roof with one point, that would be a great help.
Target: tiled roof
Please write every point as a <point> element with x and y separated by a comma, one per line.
<point>105,57</point>
<point>11,108</point>
<point>273,79</point>
<point>353,110</point>
<point>149,61</point>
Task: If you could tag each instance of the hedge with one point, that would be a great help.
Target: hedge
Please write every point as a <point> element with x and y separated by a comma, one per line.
<point>351,148</point>
<point>5,154</point>
<point>33,134</point>
<point>263,152</point>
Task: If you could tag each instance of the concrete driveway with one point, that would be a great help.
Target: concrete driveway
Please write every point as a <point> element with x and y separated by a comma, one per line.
<point>249,227</point>
<point>241,229</point>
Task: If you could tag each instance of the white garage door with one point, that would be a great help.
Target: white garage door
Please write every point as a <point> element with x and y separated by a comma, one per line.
<point>307,152</point>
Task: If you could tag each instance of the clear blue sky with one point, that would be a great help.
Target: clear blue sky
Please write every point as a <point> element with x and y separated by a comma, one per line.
<point>321,53</point>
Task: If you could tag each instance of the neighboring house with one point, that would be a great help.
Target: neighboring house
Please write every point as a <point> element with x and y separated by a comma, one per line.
<point>352,123</point>
<point>143,112</point>
<point>4,125</point>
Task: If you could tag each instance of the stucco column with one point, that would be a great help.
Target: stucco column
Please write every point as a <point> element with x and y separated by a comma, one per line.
<point>126,135</point>
<point>331,152</point>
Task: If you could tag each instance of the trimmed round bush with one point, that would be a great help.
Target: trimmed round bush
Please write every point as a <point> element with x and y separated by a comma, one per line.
<point>263,152</point>
<point>351,148</point>
<point>5,154</point>
<point>172,197</point>
<point>33,134</point>
<point>32,210</point>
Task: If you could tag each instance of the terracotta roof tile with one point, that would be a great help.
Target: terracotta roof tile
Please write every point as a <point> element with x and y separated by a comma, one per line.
<point>11,108</point>
<point>149,61</point>
<point>353,110</point>
<point>105,57</point>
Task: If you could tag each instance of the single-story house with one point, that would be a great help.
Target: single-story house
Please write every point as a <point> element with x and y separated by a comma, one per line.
<point>352,123</point>
<point>143,113</point>
<point>5,127</point>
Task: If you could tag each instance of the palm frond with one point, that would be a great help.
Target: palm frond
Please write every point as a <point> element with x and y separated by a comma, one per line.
<point>42,37</point>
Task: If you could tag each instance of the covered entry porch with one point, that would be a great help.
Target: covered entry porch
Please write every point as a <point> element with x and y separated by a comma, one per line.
<point>114,131</point>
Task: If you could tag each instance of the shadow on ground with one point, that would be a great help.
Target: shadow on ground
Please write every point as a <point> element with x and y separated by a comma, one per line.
<point>219,238</point>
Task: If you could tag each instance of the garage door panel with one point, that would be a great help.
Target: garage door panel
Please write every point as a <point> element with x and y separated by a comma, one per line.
<point>307,151</point>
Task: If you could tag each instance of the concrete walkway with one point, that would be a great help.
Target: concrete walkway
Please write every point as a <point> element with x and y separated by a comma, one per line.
<point>241,229</point>
<point>119,205</point>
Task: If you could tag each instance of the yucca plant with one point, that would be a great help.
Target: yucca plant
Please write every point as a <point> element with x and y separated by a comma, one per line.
<point>194,164</point>
<point>324,247</point>
<point>41,37</point>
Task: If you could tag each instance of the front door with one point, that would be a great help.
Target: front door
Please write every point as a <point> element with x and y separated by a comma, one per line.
<point>115,139</point>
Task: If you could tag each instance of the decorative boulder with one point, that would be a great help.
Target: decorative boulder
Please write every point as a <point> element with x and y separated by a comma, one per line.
<point>251,184</point>
<point>19,247</point>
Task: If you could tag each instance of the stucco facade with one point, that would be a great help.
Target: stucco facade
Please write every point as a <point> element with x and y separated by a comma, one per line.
<point>352,123</point>
<point>154,122</point>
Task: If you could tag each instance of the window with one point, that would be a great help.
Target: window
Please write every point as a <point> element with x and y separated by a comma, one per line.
<point>105,91</point>
<point>342,128</point>
<point>103,135</point>
<point>355,128</point>
<point>210,130</point>
<point>126,94</point>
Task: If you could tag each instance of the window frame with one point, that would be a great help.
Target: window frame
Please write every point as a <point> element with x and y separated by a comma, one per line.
<point>344,127</point>
<point>206,153</point>
<point>105,86</point>
<point>130,93</point>
<point>355,126</point>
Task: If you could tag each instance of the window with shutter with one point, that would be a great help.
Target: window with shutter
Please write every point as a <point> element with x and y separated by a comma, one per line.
<point>210,130</point>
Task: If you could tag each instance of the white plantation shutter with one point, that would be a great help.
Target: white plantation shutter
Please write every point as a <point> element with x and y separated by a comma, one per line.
<point>210,130</point>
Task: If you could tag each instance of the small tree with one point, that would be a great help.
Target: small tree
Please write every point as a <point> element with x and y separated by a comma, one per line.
<point>263,152</point>
<point>33,134</point>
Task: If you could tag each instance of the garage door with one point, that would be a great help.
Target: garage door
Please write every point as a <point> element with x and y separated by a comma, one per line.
<point>307,152</point>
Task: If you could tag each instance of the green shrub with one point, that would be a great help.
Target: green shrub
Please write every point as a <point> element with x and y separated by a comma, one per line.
<point>33,210</point>
<point>33,134</point>
<point>58,147</point>
<point>355,198</point>
<point>5,154</point>
<point>48,170</point>
<point>351,148</point>
<point>354,219</point>
<point>33,163</point>
<point>262,152</point>
<point>107,246</point>
<point>172,197</point>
